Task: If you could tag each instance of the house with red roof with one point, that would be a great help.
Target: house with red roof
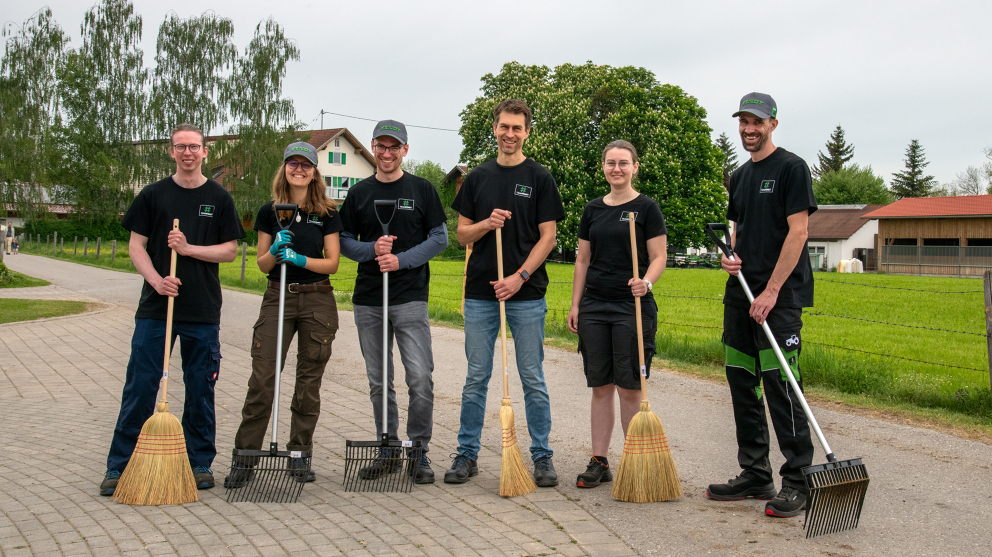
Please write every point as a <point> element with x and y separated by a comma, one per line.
<point>946,236</point>
<point>837,232</point>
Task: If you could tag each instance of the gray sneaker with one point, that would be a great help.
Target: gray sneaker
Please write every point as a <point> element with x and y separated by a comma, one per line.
<point>109,484</point>
<point>204,477</point>
<point>544,472</point>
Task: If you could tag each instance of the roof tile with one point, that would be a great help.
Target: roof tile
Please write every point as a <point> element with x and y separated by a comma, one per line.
<point>956,206</point>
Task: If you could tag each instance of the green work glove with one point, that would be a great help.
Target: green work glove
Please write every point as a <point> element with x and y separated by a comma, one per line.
<point>287,255</point>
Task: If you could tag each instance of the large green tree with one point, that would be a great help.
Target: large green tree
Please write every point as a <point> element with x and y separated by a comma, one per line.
<point>264,119</point>
<point>578,110</point>
<point>912,182</point>
<point>103,89</point>
<point>851,185</point>
<point>838,154</point>
<point>729,158</point>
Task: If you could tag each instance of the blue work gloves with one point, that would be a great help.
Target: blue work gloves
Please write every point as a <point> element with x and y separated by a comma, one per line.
<point>283,238</point>
<point>287,255</point>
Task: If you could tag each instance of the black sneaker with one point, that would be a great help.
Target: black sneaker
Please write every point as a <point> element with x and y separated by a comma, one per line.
<point>788,503</point>
<point>544,472</point>
<point>109,483</point>
<point>204,477</point>
<point>597,472</point>
<point>301,471</point>
<point>461,470</point>
<point>386,463</point>
<point>741,487</point>
<point>239,477</point>
<point>420,468</point>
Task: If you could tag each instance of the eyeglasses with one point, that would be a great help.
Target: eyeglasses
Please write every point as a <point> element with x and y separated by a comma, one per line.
<point>303,165</point>
<point>192,148</point>
<point>380,149</point>
<point>624,165</point>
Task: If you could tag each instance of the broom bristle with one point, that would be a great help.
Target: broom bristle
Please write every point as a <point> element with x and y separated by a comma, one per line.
<point>158,472</point>
<point>647,471</point>
<point>514,479</point>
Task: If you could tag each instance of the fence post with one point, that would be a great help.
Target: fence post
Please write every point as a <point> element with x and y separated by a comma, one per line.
<point>988,318</point>
<point>113,250</point>
<point>75,244</point>
<point>919,259</point>
<point>244,257</point>
<point>98,247</point>
<point>55,240</point>
<point>86,245</point>
<point>39,241</point>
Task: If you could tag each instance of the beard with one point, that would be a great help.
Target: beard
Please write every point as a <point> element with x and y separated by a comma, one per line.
<point>758,145</point>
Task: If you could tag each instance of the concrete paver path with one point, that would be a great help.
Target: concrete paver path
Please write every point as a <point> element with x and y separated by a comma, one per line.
<point>60,386</point>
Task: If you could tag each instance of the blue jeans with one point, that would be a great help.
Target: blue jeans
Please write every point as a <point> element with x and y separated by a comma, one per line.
<point>200,350</point>
<point>526,321</point>
<point>411,327</point>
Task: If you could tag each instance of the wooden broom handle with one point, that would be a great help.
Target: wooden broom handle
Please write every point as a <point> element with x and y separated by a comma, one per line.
<point>637,310</point>
<point>168,325</point>
<point>468,254</point>
<point>502,311</point>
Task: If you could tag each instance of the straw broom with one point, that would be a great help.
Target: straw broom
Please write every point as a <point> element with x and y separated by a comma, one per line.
<point>647,472</point>
<point>514,479</point>
<point>159,472</point>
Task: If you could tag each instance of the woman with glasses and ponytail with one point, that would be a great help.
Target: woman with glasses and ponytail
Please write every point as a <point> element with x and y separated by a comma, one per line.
<point>603,293</point>
<point>310,249</point>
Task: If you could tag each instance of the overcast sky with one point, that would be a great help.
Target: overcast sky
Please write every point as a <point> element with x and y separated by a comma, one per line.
<point>888,72</point>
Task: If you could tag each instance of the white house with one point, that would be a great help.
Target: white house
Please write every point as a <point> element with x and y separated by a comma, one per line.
<point>837,231</point>
<point>342,160</point>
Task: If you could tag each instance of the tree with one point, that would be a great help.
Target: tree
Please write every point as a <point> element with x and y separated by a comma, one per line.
<point>264,119</point>
<point>730,158</point>
<point>838,154</point>
<point>429,170</point>
<point>972,181</point>
<point>911,182</point>
<point>103,89</point>
<point>851,185</point>
<point>578,110</point>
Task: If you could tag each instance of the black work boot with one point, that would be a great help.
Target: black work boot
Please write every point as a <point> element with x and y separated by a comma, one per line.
<point>386,462</point>
<point>741,487</point>
<point>597,472</point>
<point>544,472</point>
<point>461,470</point>
<point>788,503</point>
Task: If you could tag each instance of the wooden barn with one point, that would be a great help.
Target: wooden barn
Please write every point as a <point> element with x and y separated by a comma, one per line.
<point>945,236</point>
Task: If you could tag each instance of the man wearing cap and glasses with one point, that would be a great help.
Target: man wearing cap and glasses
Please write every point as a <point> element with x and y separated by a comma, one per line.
<point>417,233</point>
<point>771,198</point>
<point>209,227</point>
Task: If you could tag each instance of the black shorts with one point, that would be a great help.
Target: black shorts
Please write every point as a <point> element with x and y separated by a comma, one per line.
<point>608,341</point>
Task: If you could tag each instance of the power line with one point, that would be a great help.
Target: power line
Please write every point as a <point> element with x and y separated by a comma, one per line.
<point>374,120</point>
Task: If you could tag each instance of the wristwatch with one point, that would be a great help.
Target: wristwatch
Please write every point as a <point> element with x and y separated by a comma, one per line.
<point>647,282</point>
<point>524,275</point>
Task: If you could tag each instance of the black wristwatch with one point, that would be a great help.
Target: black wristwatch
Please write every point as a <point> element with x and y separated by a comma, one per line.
<point>524,275</point>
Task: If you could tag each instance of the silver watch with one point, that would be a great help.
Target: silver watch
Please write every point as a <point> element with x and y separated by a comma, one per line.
<point>647,282</point>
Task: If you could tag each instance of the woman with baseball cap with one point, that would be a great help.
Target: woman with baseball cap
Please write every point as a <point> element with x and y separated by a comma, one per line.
<point>310,247</point>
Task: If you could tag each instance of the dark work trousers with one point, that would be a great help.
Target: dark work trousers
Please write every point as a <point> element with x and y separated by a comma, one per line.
<point>200,350</point>
<point>314,315</point>
<point>751,362</point>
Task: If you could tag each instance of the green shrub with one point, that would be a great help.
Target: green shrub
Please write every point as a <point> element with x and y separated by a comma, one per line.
<point>6,277</point>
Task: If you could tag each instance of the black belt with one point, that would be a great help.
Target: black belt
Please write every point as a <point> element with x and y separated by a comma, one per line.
<point>296,288</point>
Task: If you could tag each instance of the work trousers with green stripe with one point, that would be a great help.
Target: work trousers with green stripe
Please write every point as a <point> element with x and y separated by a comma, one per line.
<point>751,364</point>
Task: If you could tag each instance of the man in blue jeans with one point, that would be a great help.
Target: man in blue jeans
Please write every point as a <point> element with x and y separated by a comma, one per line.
<point>209,230</point>
<point>519,196</point>
<point>418,232</point>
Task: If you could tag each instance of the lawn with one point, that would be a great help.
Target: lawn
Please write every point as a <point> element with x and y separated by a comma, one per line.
<point>13,310</point>
<point>22,281</point>
<point>903,340</point>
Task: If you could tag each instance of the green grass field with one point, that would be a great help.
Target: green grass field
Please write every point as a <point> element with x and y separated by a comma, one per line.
<point>14,310</point>
<point>22,281</point>
<point>917,326</point>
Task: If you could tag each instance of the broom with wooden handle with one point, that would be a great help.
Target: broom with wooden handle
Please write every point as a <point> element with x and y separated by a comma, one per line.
<point>647,471</point>
<point>159,472</point>
<point>514,479</point>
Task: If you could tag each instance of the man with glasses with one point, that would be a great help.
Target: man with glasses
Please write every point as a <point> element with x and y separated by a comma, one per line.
<point>209,228</point>
<point>417,233</point>
<point>516,194</point>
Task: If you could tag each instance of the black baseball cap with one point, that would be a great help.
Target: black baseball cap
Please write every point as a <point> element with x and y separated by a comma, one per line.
<point>759,104</point>
<point>392,128</point>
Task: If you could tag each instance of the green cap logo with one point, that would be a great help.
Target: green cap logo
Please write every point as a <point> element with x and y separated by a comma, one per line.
<point>753,101</point>
<point>304,149</point>
<point>394,128</point>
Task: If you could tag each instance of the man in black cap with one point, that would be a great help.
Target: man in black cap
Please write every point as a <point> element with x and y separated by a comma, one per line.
<point>417,233</point>
<point>771,198</point>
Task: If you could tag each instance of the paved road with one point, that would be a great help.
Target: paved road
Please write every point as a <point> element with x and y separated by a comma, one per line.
<point>60,390</point>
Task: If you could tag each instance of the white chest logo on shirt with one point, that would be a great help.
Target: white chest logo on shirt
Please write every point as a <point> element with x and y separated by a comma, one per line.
<point>207,210</point>
<point>628,216</point>
<point>522,191</point>
<point>404,204</point>
<point>767,186</point>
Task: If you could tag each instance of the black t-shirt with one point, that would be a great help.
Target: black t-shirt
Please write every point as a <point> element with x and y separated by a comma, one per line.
<point>762,196</point>
<point>607,229</point>
<point>529,192</point>
<point>308,239</point>
<point>418,210</point>
<point>207,217</point>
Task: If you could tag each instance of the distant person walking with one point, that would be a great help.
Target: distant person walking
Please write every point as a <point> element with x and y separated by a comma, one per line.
<point>603,293</point>
<point>418,232</point>
<point>8,239</point>
<point>516,194</point>
<point>209,230</point>
<point>310,248</point>
<point>771,198</point>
